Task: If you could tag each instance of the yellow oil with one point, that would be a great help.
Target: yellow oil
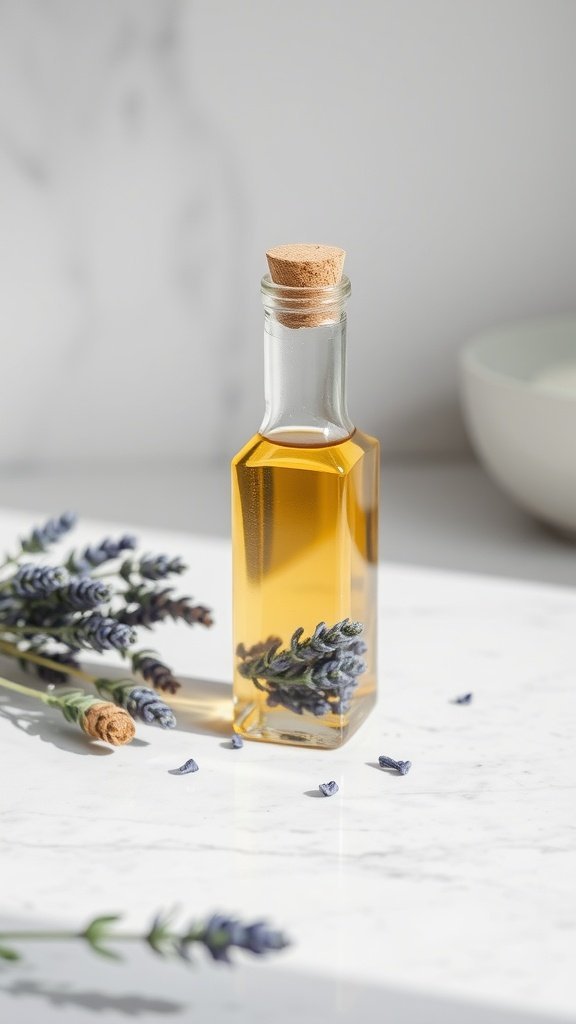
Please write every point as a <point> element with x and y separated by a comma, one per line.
<point>305,536</point>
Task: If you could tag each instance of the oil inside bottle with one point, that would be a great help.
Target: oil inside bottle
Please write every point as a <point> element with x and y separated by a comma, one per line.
<point>305,551</point>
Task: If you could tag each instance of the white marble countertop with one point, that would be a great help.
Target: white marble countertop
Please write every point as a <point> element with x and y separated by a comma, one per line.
<point>445,514</point>
<point>445,895</point>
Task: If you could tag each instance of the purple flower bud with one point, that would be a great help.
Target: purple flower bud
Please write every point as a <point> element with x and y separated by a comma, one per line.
<point>186,768</point>
<point>402,767</point>
<point>328,788</point>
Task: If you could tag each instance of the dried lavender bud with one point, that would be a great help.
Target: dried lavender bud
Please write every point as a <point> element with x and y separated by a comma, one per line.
<point>145,606</point>
<point>154,671</point>
<point>140,702</point>
<point>237,741</point>
<point>96,555</point>
<point>328,788</point>
<point>49,533</point>
<point>466,698</point>
<point>186,768</point>
<point>157,567</point>
<point>99,633</point>
<point>402,767</point>
<point>83,594</point>
<point>145,704</point>
<point>37,581</point>
<point>220,934</point>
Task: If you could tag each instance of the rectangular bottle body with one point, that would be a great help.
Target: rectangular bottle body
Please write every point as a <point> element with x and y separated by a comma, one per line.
<point>305,535</point>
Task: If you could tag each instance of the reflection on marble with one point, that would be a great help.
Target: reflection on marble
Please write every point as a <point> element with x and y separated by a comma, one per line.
<point>453,884</point>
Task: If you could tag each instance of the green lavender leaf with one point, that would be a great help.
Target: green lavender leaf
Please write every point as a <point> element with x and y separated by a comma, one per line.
<point>97,931</point>
<point>160,937</point>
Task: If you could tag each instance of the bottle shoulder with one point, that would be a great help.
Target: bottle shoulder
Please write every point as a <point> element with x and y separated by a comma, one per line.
<point>338,458</point>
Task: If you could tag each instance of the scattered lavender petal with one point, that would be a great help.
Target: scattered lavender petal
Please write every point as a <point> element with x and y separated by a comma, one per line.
<point>402,767</point>
<point>328,788</point>
<point>237,741</point>
<point>466,698</point>
<point>186,768</point>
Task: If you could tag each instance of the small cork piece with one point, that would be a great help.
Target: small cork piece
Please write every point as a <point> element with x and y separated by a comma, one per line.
<point>306,266</point>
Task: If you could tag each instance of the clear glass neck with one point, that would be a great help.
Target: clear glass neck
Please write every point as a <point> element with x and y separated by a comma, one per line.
<point>305,364</point>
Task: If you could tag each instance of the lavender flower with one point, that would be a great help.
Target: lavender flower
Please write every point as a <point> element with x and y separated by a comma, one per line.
<point>145,606</point>
<point>149,666</point>
<point>83,594</point>
<point>49,533</point>
<point>221,934</point>
<point>99,633</point>
<point>402,767</point>
<point>140,702</point>
<point>237,741</point>
<point>96,555</point>
<point>145,704</point>
<point>157,567</point>
<point>37,581</point>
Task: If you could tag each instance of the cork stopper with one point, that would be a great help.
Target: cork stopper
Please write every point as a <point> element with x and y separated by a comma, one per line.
<point>311,267</point>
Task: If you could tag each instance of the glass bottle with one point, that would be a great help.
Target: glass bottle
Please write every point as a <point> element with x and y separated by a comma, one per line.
<point>305,534</point>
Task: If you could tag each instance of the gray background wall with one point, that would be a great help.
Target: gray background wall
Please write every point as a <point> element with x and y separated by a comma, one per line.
<point>151,150</point>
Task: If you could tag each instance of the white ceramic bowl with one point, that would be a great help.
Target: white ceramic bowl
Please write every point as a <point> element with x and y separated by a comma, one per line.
<point>518,388</point>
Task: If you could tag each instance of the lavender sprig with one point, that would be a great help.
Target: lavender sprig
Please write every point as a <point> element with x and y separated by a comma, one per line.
<point>219,935</point>
<point>152,567</point>
<point>46,618</point>
<point>140,702</point>
<point>101,720</point>
<point>317,675</point>
<point>37,581</point>
<point>83,594</point>
<point>49,533</point>
<point>93,556</point>
<point>154,671</point>
<point>98,632</point>
<point>146,606</point>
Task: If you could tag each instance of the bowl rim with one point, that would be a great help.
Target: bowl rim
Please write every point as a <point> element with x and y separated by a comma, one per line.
<point>471,362</point>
